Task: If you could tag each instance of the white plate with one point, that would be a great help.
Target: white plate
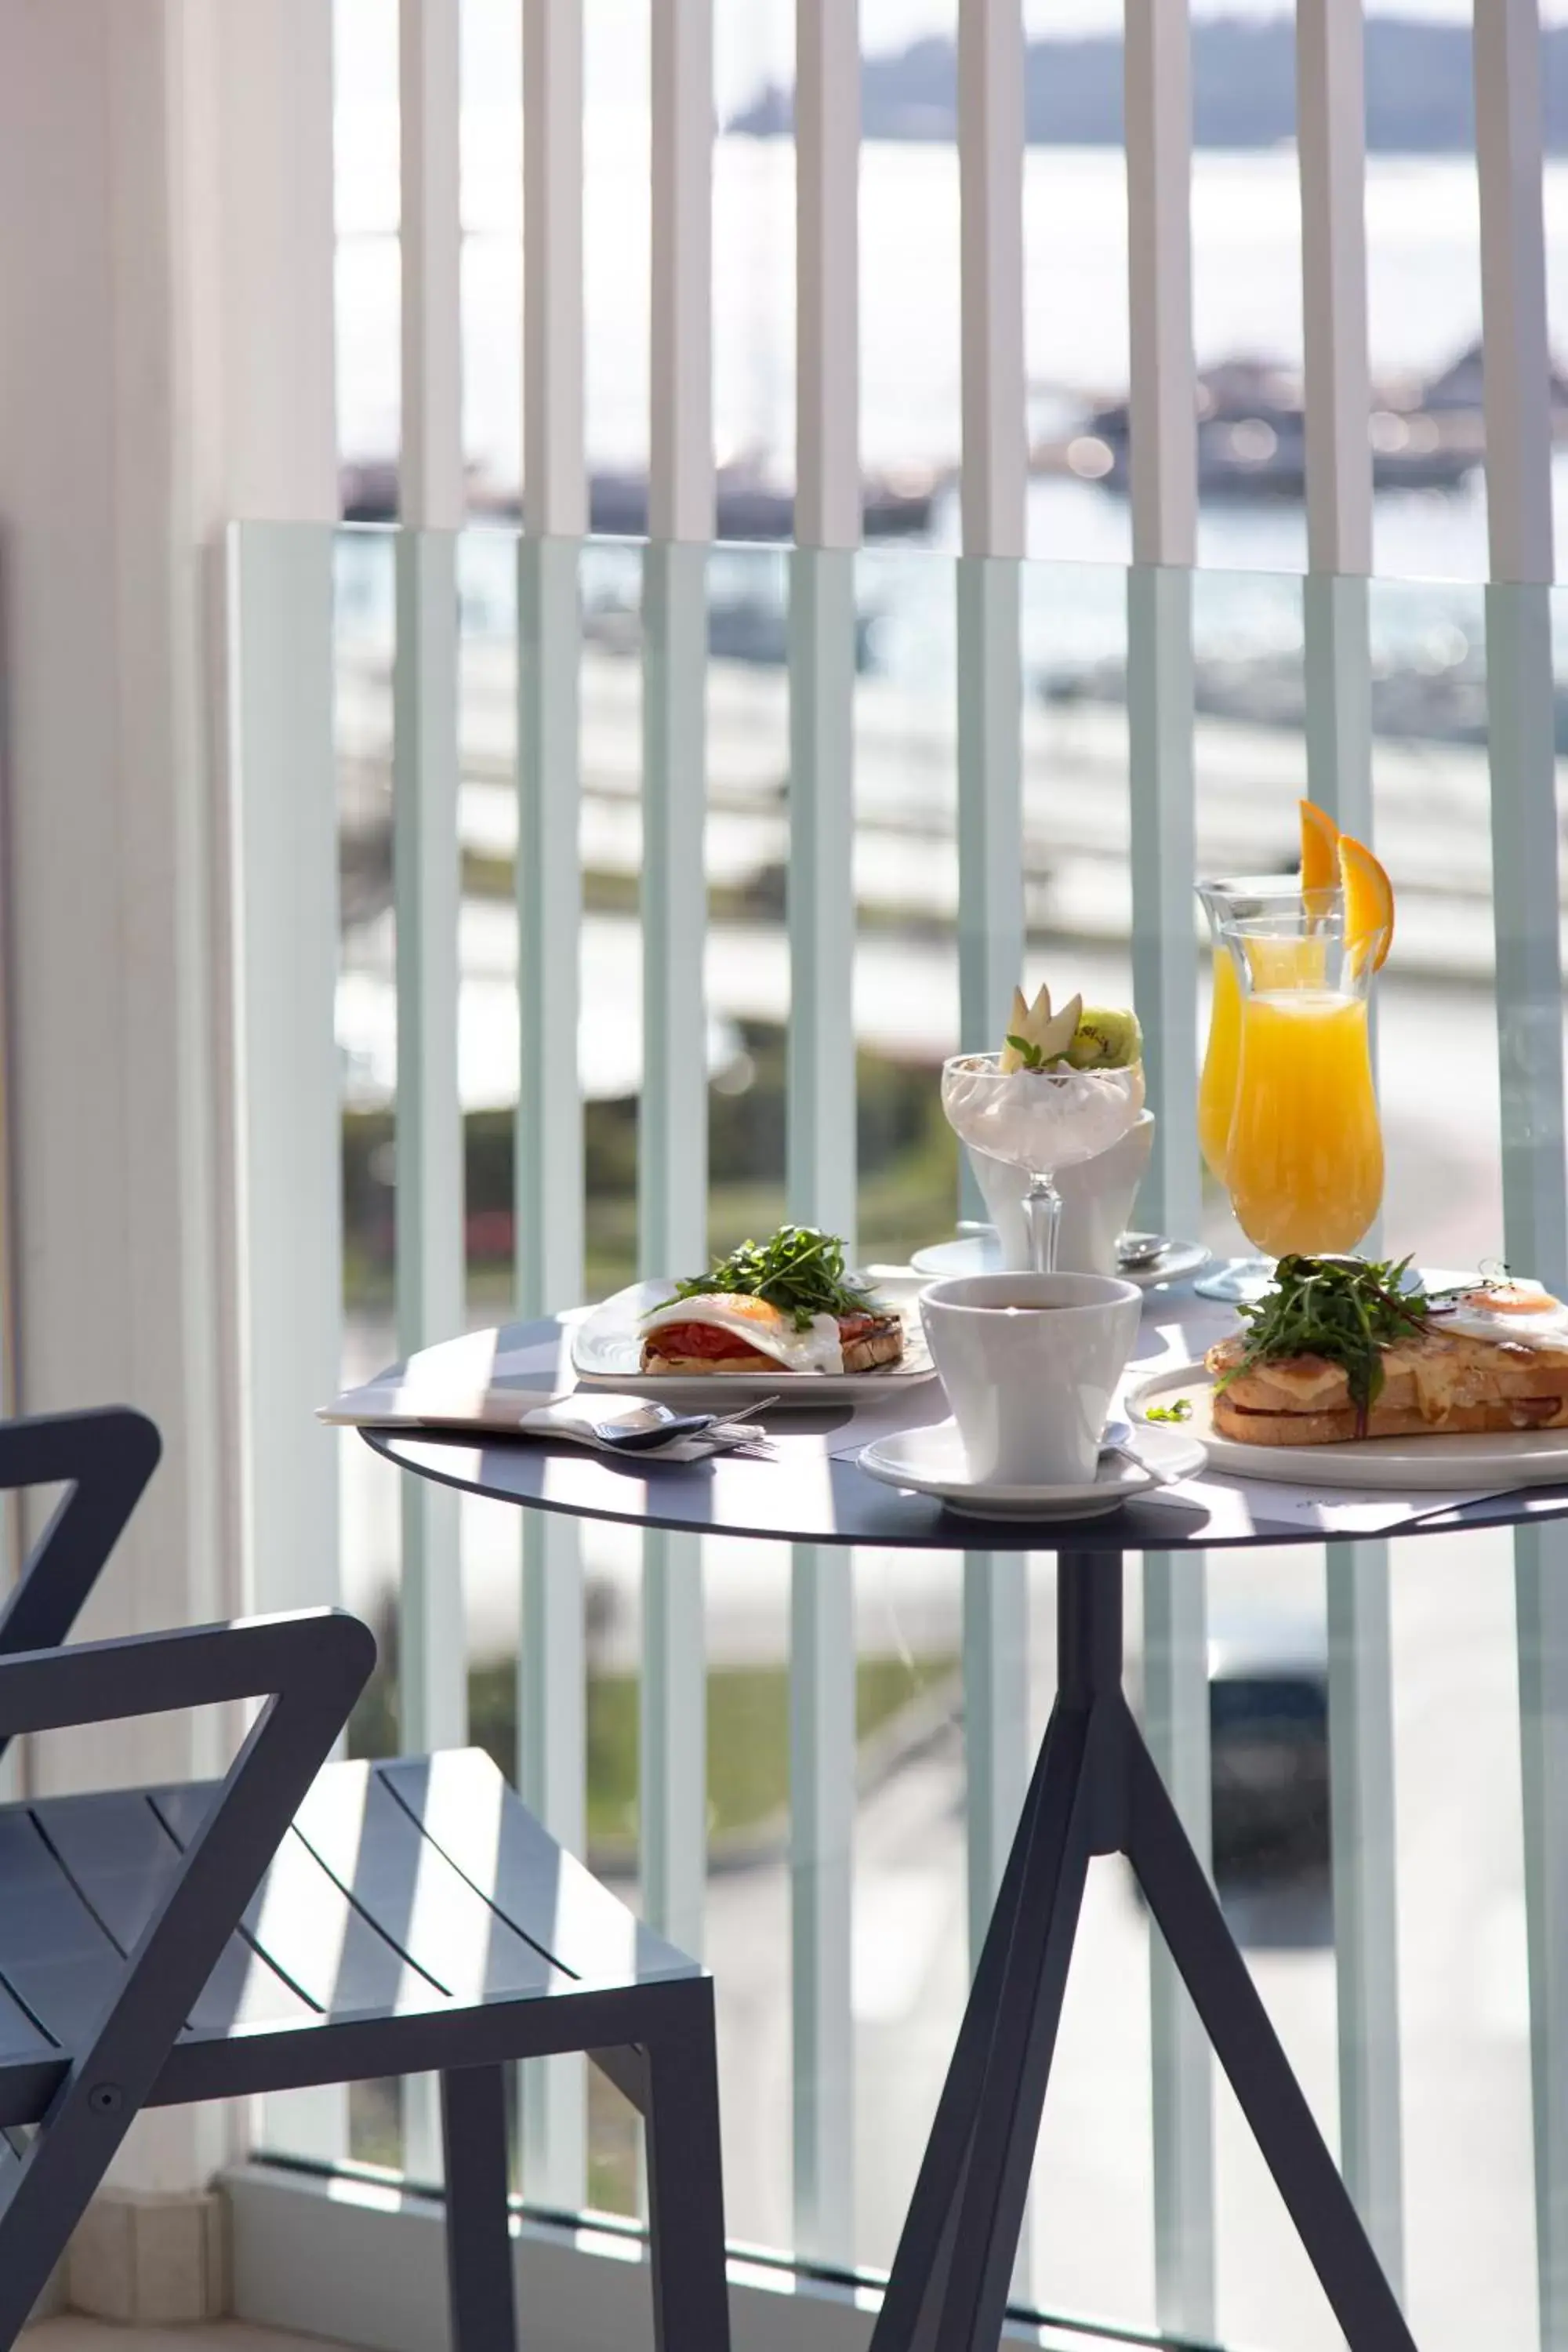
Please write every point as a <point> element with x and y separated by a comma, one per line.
<point>1479,1463</point>
<point>979,1253</point>
<point>607,1350</point>
<point>933,1462</point>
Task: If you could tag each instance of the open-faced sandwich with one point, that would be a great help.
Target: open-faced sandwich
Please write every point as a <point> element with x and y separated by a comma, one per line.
<point>1349,1348</point>
<point>779,1305</point>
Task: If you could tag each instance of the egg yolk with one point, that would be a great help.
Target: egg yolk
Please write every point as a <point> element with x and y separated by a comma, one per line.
<point>1510,1298</point>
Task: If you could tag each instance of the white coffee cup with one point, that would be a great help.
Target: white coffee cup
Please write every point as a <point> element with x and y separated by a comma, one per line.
<point>1030,1363</point>
<point>1097,1201</point>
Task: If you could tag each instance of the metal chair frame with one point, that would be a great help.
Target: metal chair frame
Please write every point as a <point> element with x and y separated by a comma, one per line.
<point>653,2036</point>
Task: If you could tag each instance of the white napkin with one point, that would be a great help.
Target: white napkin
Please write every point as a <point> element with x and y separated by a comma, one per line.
<point>569,1418</point>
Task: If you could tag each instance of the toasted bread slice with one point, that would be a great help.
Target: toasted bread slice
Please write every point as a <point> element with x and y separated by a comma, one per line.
<point>1337,1426</point>
<point>1434,1375</point>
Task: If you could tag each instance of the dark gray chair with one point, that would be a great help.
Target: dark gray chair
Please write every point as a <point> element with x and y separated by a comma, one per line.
<point>294,1925</point>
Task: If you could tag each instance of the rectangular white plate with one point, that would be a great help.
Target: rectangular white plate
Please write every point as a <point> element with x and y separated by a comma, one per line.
<point>607,1351</point>
<point>1479,1463</point>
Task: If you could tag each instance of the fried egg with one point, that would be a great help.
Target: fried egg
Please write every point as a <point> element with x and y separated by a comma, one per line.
<point>759,1325</point>
<point>1520,1311</point>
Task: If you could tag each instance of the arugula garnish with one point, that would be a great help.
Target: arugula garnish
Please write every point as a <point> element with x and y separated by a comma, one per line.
<point>800,1271</point>
<point>1180,1410</point>
<point>1344,1309</point>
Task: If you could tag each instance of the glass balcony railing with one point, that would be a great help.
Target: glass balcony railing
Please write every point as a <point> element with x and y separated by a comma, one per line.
<point>600,901</point>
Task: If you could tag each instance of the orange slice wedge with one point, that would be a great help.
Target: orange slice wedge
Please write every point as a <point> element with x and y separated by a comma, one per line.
<point>1369,896</point>
<point>1319,850</point>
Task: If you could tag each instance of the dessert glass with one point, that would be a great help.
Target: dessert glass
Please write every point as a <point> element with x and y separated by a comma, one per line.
<point>1040,1121</point>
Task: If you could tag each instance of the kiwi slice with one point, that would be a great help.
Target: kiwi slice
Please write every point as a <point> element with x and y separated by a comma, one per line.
<point>1107,1039</point>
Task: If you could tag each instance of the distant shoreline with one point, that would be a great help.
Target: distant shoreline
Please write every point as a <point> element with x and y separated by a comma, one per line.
<point>1419,89</point>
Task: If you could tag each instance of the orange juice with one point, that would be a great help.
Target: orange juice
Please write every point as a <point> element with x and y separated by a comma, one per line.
<point>1216,1087</point>
<point>1304,1156</point>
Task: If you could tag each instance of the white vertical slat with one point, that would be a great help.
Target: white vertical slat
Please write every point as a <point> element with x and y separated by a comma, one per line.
<point>673,1140</point>
<point>672,1202</point>
<point>827,161</point>
<point>1331,151</point>
<point>1521,731</point>
<point>822,1800</point>
<point>432,1642</point>
<point>820,1177</point>
<point>1513,289</point>
<point>821,1043</point>
<point>1367,1913</point>
<point>1529,969</point>
<point>430,460</point>
<point>269,274</point>
<point>432,1660</point>
<point>554,486</point>
<point>997,1757</point>
<point>990,797</point>
<point>991,249</point>
<point>549,1172</point>
<point>1164,460</point>
<point>1176,1724</point>
<point>1164,455</point>
<point>1164,394</point>
<point>285,893</point>
<point>1165,863</point>
<point>426,852</point>
<point>992,488</point>
<point>680,470</point>
<point>1330,145</point>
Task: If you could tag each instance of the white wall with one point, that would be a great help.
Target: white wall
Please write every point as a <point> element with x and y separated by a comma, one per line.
<point>165,326</point>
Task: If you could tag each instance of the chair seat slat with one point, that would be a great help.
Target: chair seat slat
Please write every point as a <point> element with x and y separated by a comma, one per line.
<point>376,1850</point>
<point>466,1807</point>
<point>305,1926</point>
<point>116,1852</point>
<point>55,1957</point>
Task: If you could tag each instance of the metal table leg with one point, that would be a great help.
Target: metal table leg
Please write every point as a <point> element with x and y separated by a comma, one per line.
<point>1097,1790</point>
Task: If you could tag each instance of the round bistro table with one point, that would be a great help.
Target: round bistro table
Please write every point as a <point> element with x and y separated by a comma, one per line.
<point>1096,1790</point>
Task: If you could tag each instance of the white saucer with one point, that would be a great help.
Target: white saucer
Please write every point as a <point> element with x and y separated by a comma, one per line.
<point>980,1253</point>
<point>933,1462</point>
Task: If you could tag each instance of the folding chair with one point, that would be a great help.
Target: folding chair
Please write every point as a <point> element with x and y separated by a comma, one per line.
<point>302,1922</point>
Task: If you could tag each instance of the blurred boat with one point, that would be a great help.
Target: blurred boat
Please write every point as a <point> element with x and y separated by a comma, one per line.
<point>749,504</point>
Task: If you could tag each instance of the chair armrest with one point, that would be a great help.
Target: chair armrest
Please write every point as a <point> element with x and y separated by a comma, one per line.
<point>314,1655</point>
<point>105,1457</point>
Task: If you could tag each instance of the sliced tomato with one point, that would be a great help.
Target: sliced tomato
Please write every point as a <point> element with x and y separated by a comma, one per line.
<point>703,1339</point>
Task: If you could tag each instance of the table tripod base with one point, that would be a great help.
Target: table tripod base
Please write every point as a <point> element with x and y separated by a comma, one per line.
<point>1096,1790</point>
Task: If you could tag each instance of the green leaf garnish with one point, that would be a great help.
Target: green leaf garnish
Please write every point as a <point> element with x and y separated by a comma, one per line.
<point>1180,1410</point>
<point>1344,1309</point>
<point>800,1271</point>
<point>1028,1052</point>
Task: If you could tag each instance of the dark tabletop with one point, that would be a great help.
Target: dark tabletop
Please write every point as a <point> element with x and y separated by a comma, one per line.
<point>814,1492</point>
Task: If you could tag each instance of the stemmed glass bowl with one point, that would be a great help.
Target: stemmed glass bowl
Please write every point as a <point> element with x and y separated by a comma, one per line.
<point>1040,1121</point>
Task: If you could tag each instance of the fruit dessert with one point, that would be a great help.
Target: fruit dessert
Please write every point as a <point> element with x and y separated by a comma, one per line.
<point>784,1305</point>
<point>1352,1347</point>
